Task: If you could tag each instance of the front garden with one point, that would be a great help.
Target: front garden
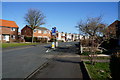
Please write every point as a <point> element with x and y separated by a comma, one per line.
<point>99,71</point>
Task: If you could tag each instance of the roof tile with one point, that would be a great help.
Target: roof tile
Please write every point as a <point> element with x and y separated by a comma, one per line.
<point>8,23</point>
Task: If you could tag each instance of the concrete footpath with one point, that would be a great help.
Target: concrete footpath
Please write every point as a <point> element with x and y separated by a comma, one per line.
<point>66,64</point>
<point>62,66</point>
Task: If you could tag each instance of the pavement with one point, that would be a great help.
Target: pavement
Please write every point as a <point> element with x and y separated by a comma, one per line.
<point>66,64</point>
<point>96,60</point>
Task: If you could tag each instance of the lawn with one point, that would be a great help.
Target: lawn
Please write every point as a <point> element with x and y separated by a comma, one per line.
<point>99,71</point>
<point>6,45</point>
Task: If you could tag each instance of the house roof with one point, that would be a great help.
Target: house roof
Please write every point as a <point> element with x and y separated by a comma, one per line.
<point>115,22</point>
<point>42,28</point>
<point>8,23</point>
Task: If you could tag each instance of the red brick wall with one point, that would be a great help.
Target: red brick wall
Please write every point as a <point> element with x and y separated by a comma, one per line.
<point>112,28</point>
<point>7,30</point>
<point>26,31</point>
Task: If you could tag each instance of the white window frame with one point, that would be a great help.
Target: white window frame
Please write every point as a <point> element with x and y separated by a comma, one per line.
<point>13,36</point>
<point>0,37</point>
<point>4,38</point>
<point>39,31</point>
<point>44,32</point>
<point>13,29</point>
<point>49,32</point>
<point>35,30</point>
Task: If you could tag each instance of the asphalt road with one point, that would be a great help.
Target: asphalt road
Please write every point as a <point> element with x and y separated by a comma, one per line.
<point>20,62</point>
<point>66,64</point>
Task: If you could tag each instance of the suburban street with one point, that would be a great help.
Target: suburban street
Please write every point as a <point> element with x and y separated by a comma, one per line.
<point>63,62</point>
<point>20,62</point>
<point>60,40</point>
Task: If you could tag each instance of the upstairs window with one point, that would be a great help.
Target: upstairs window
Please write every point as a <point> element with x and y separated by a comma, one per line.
<point>44,32</point>
<point>12,29</point>
<point>35,30</point>
<point>39,31</point>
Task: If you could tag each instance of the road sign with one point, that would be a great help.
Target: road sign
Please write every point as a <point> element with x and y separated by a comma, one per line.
<point>54,31</point>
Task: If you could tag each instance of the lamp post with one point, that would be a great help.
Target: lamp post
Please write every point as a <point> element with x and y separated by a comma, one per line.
<point>80,45</point>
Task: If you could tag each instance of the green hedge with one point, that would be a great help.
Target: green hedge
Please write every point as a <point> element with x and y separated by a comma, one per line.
<point>29,39</point>
<point>115,66</point>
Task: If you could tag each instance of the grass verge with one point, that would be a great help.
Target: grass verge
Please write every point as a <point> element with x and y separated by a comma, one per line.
<point>97,58</point>
<point>99,71</point>
<point>6,45</point>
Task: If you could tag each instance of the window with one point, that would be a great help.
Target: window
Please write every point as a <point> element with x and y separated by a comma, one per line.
<point>12,29</point>
<point>4,38</point>
<point>63,34</point>
<point>39,31</point>
<point>35,30</point>
<point>0,37</point>
<point>44,32</point>
<point>13,36</point>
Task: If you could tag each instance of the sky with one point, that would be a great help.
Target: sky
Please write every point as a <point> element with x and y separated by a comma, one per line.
<point>62,15</point>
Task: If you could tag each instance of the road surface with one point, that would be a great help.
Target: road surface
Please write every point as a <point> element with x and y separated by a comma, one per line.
<point>64,65</point>
<point>20,62</point>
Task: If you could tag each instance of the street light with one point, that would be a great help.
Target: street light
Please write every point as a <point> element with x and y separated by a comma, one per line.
<point>80,45</point>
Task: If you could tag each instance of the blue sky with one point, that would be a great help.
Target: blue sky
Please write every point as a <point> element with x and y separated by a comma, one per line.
<point>63,15</point>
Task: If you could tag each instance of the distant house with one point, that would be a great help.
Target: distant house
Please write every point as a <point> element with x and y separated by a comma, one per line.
<point>76,37</point>
<point>58,35</point>
<point>73,37</point>
<point>8,31</point>
<point>39,32</point>
<point>63,36</point>
<point>113,30</point>
<point>68,37</point>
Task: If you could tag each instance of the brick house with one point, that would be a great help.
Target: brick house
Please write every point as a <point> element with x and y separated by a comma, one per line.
<point>39,32</point>
<point>8,31</point>
<point>113,30</point>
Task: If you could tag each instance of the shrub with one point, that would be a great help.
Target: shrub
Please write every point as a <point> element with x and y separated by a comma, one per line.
<point>85,53</point>
<point>115,66</point>
<point>28,39</point>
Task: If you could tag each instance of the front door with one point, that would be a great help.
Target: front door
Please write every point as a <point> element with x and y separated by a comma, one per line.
<point>7,37</point>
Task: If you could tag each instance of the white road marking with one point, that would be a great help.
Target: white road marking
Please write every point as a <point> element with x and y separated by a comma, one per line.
<point>48,50</point>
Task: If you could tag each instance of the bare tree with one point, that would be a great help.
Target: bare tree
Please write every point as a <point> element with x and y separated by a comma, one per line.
<point>34,18</point>
<point>96,30</point>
